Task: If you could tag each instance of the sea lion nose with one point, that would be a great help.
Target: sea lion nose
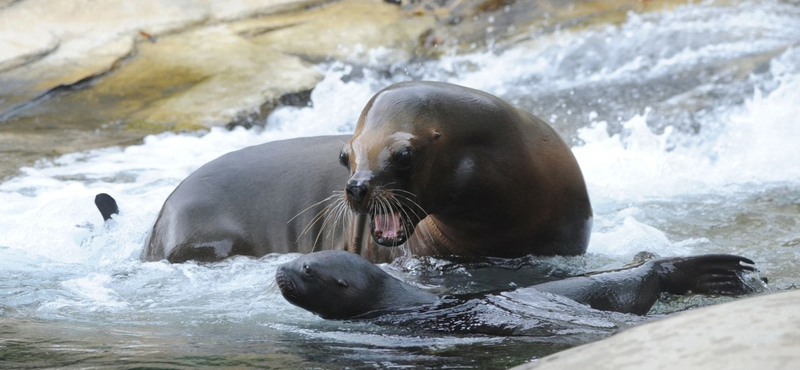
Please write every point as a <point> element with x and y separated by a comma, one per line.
<point>357,190</point>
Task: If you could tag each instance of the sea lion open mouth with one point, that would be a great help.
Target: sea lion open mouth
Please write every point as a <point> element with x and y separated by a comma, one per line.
<point>391,220</point>
<point>391,228</point>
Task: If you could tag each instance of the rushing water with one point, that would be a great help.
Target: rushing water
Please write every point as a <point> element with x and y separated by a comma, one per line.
<point>685,123</point>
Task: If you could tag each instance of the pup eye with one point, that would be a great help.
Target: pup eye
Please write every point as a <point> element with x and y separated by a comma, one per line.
<point>404,158</point>
<point>344,159</point>
<point>307,270</point>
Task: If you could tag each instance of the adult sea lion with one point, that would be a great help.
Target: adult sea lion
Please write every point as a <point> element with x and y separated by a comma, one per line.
<point>470,172</point>
<point>269,198</point>
<point>448,170</point>
<point>342,285</point>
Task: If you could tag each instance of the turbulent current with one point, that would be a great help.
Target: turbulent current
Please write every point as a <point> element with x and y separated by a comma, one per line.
<point>686,125</point>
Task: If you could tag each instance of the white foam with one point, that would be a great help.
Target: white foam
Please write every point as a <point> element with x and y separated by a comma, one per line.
<point>756,145</point>
<point>91,291</point>
<point>335,107</point>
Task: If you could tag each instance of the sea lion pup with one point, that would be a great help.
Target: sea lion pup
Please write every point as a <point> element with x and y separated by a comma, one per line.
<point>342,285</point>
<point>448,170</point>
<point>276,197</point>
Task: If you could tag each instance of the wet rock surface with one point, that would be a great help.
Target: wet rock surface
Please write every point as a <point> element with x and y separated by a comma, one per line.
<point>78,74</point>
<point>759,332</point>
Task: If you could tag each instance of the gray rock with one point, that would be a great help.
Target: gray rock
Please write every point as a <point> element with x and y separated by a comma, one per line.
<point>761,332</point>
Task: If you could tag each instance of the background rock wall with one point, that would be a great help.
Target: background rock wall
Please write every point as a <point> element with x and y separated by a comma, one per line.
<point>81,74</point>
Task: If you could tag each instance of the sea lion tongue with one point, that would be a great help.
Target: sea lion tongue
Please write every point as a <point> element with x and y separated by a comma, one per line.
<point>388,225</point>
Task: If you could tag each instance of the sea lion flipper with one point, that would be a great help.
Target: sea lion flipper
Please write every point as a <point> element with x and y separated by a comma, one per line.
<point>106,205</point>
<point>636,289</point>
<point>705,274</point>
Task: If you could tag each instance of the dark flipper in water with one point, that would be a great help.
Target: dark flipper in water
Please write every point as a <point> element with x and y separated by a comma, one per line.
<point>706,274</point>
<point>636,290</point>
<point>106,205</point>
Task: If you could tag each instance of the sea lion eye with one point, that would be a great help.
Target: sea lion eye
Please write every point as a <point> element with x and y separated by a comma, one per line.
<point>403,158</point>
<point>344,159</point>
<point>307,270</point>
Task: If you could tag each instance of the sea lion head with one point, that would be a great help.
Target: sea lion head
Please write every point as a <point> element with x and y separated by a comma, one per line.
<point>414,152</point>
<point>332,284</point>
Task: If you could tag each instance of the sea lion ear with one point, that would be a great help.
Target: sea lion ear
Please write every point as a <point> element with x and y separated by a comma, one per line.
<point>342,282</point>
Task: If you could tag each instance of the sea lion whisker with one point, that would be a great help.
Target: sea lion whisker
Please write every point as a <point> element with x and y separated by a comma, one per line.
<point>339,213</point>
<point>394,191</point>
<point>415,204</point>
<point>320,215</point>
<point>371,206</point>
<point>325,224</point>
<point>319,233</point>
<point>346,214</point>
<point>385,208</point>
<point>405,214</point>
<point>273,287</point>
<point>381,204</point>
<point>391,210</point>
<point>335,193</point>
<point>351,231</point>
<point>323,213</point>
<point>406,227</point>
<point>395,206</point>
<point>405,210</point>
<point>335,218</point>
<point>404,191</point>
